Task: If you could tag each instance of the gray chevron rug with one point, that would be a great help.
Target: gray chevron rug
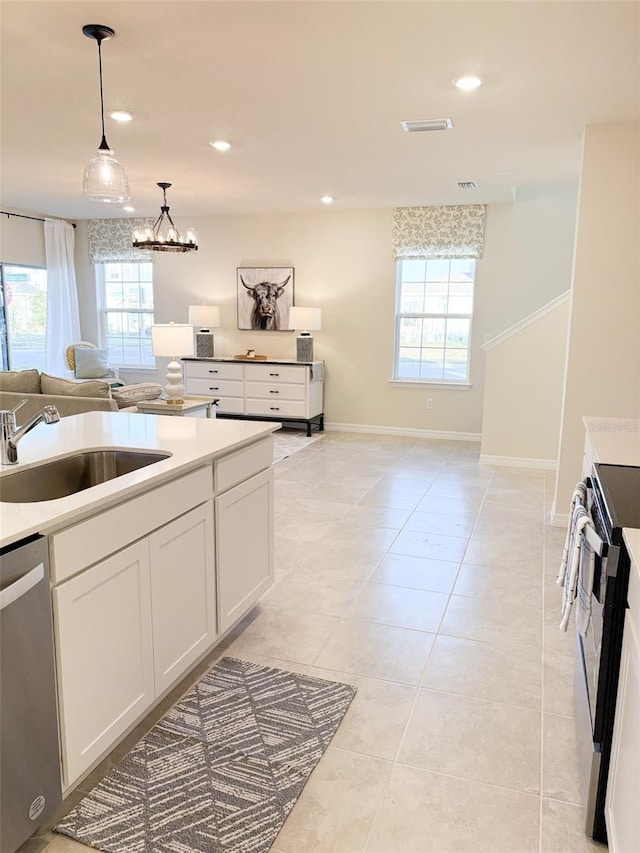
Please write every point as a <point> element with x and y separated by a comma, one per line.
<point>220,771</point>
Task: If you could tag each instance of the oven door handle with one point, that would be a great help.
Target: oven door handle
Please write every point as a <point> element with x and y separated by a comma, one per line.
<point>613,561</point>
<point>597,545</point>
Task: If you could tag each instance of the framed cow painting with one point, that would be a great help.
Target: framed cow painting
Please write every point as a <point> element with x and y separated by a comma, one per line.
<point>265,295</point>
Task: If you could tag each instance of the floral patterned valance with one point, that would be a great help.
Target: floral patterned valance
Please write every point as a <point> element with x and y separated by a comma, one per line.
<point>453,231</point>
<point>110,240</point>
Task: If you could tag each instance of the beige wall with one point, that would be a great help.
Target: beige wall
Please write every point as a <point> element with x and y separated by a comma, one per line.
<point>523,391</point>
<point>343,264</point>
<point>603,355</point>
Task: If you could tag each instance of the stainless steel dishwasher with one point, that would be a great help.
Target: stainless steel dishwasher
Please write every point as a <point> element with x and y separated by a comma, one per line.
<point>30,788</point>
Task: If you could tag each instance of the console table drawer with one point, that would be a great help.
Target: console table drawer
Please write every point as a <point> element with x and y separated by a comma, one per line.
<point>215,388</point>
<point>276,373</point>
<point>230,405</point>
<point>213,370</point>
<point>277,408</point>
<point>275,391</point>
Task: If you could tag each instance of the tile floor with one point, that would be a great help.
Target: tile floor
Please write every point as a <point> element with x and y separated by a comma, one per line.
<point>406,568</point>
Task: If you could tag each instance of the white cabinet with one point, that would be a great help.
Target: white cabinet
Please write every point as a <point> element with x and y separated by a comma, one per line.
<point>104,655</point>
<point>244,546</point>
<point>622,809</point>
<point>183,594</point>
<point>277,390</point>
<point>127,629</point>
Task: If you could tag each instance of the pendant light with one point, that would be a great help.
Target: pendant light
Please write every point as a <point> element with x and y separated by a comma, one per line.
<point>164,236</point>
<point>104,177</point>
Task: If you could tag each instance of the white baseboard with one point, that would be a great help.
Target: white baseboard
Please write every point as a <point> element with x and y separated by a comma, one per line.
<point>558,519</point>
<point>518,462</point>
<point>413,433</point>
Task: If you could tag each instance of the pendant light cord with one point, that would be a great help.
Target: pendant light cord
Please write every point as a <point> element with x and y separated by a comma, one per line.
<point>104,145</point>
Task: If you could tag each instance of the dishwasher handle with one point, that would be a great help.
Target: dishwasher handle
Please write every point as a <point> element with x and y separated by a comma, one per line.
<point>21,587</point>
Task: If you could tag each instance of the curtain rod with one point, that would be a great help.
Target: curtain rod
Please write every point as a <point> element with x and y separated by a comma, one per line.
<point>24,216</point>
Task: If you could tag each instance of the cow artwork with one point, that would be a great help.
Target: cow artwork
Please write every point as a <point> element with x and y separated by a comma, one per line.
<point>264,298</point>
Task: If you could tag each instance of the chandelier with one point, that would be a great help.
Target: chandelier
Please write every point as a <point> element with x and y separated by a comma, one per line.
<point>164,236</point>
<point>104,177</point>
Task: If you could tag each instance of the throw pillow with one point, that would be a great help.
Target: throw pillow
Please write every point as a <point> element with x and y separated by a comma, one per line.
<point>91,363</point>
<point>68,388</point>
<point>129,395</point>
<point>20,381</point>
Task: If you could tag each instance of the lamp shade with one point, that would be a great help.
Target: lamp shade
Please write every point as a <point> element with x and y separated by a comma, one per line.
<point>308,319</point>
<point>204,316</point>
<point>172,339</point>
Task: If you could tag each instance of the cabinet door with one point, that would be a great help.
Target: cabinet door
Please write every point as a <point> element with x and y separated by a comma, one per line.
<point>244,546</point>
<point>183,593</point>
<point>104,655</point>
<point>621,809</point>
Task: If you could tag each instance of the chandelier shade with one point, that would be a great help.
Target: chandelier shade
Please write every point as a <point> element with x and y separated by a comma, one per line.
<point>105,179</point>
<point>164,236</point>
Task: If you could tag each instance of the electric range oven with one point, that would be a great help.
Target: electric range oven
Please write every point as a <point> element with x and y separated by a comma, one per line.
<point>613,503</point>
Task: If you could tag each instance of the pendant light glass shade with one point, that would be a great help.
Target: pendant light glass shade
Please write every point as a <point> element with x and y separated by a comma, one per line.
<point>104,179</point>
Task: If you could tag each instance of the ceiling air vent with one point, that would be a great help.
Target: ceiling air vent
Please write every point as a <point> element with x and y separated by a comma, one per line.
<point>467,185</point>
<point>428,124</point>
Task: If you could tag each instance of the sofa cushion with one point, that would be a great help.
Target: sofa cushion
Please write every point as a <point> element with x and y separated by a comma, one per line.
<point>21,381</point>
<point>91,363</point>
<point>129,395</point>
<point>68,388</point>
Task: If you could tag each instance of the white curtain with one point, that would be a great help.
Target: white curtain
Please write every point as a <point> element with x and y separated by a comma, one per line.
<point>63,317</point>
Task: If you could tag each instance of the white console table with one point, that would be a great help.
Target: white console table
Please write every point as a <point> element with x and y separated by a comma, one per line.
<point>279,390</point>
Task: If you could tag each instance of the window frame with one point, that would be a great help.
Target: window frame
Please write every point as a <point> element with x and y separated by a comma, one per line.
<point>416,381</point>
<point>103,314</point>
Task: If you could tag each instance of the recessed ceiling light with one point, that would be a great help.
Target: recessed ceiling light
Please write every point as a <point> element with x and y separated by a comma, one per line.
<point>468,84</point>
<point>220,145</point>
<point>326,199</point>
<point>128,209</point>
<point>121,115</point>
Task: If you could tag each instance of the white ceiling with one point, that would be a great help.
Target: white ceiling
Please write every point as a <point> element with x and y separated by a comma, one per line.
<point>311,95</point>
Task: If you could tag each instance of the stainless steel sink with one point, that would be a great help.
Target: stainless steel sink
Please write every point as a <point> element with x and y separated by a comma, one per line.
<point>72,474</point>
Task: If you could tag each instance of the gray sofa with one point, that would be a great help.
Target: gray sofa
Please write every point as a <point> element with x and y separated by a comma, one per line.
<point>69,396</point>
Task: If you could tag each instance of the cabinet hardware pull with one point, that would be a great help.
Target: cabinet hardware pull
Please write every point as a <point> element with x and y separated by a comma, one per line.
<point>274,392</point>
<point>213,389</point>
<point>274,374</point>
<point>213,371</point>
<point>274,408</point>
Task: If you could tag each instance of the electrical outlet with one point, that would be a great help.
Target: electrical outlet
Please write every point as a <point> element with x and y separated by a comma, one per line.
<point>429,402</point>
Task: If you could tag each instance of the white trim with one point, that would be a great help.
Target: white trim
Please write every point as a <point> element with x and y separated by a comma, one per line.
<point>558,519</point>
<point>528,321</point>
<point>431,383</point>
<point>416,433</point>
<point>518,462</point>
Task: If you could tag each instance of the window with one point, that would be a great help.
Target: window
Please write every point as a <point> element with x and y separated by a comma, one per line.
<point>434,306</point>
<point>23,317</point>
<point>126,297</point>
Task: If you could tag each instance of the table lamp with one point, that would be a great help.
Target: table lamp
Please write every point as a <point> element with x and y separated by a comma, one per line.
<point>305,319</point>
<point>204,318</point>
<point>173,339</point>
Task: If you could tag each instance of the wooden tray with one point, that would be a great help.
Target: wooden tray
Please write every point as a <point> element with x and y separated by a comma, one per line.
<point>251,357</point>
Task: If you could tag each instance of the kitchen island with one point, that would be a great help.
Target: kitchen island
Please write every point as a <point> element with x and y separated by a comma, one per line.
<point>148,570</point>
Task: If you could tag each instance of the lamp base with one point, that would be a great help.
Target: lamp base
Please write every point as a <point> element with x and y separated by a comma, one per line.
<point>175,387</point>
<point>304,348</point>
<point>204,344</point>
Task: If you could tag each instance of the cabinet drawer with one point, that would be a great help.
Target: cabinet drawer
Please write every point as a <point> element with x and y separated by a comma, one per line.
<point>85,543</point>
<point>276,391</point>
<point>215,388</point>
<point>213,369</point>
<point>276,373</point>
<point>242,464</point>
<point>230,405</point>
<point>277,408</point>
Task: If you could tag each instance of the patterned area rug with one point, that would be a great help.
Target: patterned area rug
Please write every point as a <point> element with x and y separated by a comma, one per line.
<point>220,771</point>
<point>285,445</point>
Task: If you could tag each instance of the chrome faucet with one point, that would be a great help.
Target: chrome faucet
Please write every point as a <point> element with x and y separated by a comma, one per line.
<point>11,434</point>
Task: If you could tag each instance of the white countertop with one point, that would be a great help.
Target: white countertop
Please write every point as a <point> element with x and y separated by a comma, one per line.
<point>191,442</point>
<point>615,440</point>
